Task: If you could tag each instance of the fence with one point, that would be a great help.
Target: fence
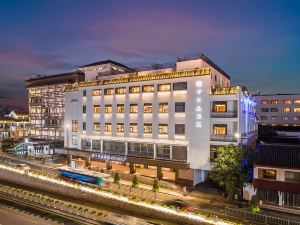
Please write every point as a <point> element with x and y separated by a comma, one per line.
<point>257,217</point>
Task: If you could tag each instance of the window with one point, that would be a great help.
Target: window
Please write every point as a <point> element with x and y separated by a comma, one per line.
<point>296,117</point>
<point>164,87</point>
<point>292,176</point>
<point>96,145</point>
<point>288,102</point>
<point>108,127</point>
<point>297,110</point>
<point>108,109</point>
<point>267,174</point>
<point>147,108</point>
<point>296,101</point>
<point>86,144</point>
<point>96,108</point>
<point>274,118</point>
<point>74,125</point>
<point>120,127</point>
<point>213,152</point>
<point>96,126</point>
<point>84,109</point>
<point>133,108</point>
<point>163,128</point>
<point>120,108</point>
<point>163,107</point>
<point>148,88</point>
<point>97,92</point>
<point>163,151</point>
<point>133,128</point>
<point>135,89</point>
<point>108,91</point>
<point>219,106</point>
<point>263,117</point>
<point>220,129</point>
<point>84,93</point>
<point>180,86</point>
<point>180,129</point>
<point>147,128</point>
<point>264,102</point>
<point>285,118</point>
<point>274,109</point>
<point>179,106</point>
<point>264,109</point>
<point>83,125</point>
<point>121,90</point>
<point>274,102</point>
<point>143,150</point>
<point>179,153</point>
<point>74,140</point>
<point>286,109</point>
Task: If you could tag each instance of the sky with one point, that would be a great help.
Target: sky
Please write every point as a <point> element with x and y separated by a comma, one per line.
<point>256,42</point>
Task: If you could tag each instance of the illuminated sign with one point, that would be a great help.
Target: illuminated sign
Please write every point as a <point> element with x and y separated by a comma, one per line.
<point>198,108</point>
<point>224,91</point>
<point>109,157</point>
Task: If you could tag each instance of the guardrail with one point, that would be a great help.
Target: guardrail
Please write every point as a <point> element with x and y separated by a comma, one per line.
<point>228,114</point>
<point>223,138</point>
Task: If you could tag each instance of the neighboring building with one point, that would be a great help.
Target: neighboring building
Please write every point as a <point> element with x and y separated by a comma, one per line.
<point>277,174</point>
<point>46,104</point>
<point>171,118</point>
<point>14,125</point>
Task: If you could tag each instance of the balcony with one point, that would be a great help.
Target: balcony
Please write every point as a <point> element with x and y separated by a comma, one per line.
<point>228,114</point>
<point>224,138</point>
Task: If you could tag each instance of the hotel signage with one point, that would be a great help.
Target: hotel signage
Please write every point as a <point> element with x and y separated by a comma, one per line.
<point>109,157</point>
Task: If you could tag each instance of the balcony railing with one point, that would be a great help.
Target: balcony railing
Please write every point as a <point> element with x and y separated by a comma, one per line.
<point>224,138</point>
<point>228,114</point>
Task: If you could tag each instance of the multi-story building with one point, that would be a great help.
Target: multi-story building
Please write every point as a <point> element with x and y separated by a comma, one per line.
<point>171,118</point>
<point>46,104</point>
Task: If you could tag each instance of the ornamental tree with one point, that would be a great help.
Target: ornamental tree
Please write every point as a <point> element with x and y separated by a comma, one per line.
<point>135,181</point>
<point>155,187</point>
<point>117,178</point>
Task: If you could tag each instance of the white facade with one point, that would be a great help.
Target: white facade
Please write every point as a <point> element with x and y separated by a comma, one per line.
<point>188,109</point>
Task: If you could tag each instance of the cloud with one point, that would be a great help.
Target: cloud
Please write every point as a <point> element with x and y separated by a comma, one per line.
<point>3,97</point>
<point>119,51</point>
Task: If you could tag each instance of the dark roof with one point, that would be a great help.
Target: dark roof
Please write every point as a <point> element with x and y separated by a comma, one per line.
<point>211,63</point>
<point>106,62</point>
<point>278,155</point>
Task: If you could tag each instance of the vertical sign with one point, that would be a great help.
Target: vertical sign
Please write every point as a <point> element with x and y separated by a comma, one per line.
<point>198,104</point>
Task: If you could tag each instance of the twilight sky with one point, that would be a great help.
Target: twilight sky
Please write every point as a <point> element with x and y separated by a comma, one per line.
<point>256,42</point>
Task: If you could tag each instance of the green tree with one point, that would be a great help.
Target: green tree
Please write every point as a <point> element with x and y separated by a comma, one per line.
<point>155,187</point>
<point>117,178</point>
<point>135,181</point>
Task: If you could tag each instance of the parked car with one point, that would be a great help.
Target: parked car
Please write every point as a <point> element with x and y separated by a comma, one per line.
<point>179,204</point>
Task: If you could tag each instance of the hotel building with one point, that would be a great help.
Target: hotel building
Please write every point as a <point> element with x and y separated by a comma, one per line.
<point>164,119</point>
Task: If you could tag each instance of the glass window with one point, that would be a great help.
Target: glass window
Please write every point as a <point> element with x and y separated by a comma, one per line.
<point>86,144</point>
<point>163,128</point>
<point>96,92</point>
<point>180,129</point>
<point>148,88</point>
<point>84,109</point>
<point>285,118</point>
<point>219,106</point>
<point>264,109</point>
<point>267,174</point>
<point>163,107</point>
<point>287,101</point>
<point>133,128</point>
<point>274,109</point>
<point>264,102</point>
<point>133,108</point>
<point>164,87</point>
<point>96,108</point>
<point>120,108</point>
<point>108,127</point>
<point>179,106</point>
<point>120,127</point>
<point>220,129</point>
<point>74,140</point>
<point>134,89</point>
<point>292,176</point>
<point>274,118</point>
<point>74,125</point>
<point>296,101</point>
<point>179,152</point>
<point>96,145</point>
<point>213,152</point>
<point>263,117</point>
<point>147,128</point>
<point>84,93</point>
<point>286,109</point>
<point>83,125</point>
<point>96,126</point>
<point>296,117</point>
<point>147,108</point>
<point>180,86</point>
<point>108,91</point>
<point>163,151</point>
<point>297,110</point>
<point>108,109</point>
<point>121,90</point>
<point>275,102</point>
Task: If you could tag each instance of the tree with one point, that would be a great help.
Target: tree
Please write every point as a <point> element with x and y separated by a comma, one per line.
<point>135,181</point>
<point>155,187</point>
<point>230,171</point>
<point>117,178</point>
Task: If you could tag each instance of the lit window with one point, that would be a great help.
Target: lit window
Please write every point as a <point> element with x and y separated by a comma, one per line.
<point>96,126</point>
<point>148,88</point>
<point>74,140</point>
<point>109,91</point>
<point>285,118</point>
<point>164,87</point>
<point>74,125</point>
<point>220,129</point>
<point>296,101</point>
<point>180,129</point>
<point>264,110</point>
<point>133,128</point>
<point>120,127</point>
<point>274,118</point>
<point>97,92</point>
<point>274,102</point>
<point>296,117</point>
<point>96,108</point>
<point>108,109</point>
<point>274,109</point>
<point>133,108</point>
<point>267,174</point>
<point>163,107</point>
<point>179,106</point>
<point>163,128</point>
<point>180,86</point>
<point>108,127</point>
<point>219,106</point>
<point>135,89</point>
<point>287,102</point>
<point>292,176</point>
<point>121,90</point>
<point>264,102</point>
<point>147,128</point>
<point>286,109</point>
<point>147,108</point>
<point>120,108</point>
<point>297,110</point>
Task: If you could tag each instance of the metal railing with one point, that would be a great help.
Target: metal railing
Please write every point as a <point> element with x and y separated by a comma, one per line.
<point>224,138</point>
<point>228,114</point>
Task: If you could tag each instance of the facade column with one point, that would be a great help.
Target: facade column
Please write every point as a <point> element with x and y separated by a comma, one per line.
<point>154,151</point>
<point>126,148</point>
<point>159,173</point>
<point>108,165</point>
<point>87,161</point>
<point>171,152</point>
<point>132,168</point>
<point>101,146</point>
<point>280,198</point>
<point>69,159</point>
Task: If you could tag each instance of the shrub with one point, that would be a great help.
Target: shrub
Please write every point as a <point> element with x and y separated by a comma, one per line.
<point>135,181</point>
<point>155,187</point>
<point>117,178</point>
<point>254,204</point>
